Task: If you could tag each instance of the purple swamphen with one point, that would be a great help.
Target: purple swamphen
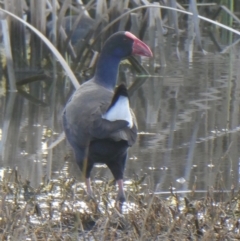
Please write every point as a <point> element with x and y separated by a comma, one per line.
<point>98,122</point>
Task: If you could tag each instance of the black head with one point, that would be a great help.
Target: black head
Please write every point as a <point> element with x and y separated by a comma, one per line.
<point>117,47</point>
<point>123,44</point>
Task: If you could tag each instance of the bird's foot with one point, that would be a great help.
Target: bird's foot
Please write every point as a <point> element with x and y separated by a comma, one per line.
<point>90,197</point>
<point>120,201</point>
<point>121,198</point>
<point>89,189</point>
<point>121,195</point>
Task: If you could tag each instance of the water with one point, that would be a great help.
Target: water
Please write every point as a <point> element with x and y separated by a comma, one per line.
<point>194,115</point>
<point>188,118</point>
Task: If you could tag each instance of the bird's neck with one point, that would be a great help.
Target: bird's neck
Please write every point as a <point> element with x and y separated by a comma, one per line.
<point>107,71</point>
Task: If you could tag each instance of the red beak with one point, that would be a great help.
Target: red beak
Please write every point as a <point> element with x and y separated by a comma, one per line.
<point>139,47</point>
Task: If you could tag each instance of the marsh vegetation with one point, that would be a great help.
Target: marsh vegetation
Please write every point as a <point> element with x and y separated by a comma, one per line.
<point>182,176</point>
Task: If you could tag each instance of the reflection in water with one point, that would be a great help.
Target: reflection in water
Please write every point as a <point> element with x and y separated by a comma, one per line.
<point>188,119</point>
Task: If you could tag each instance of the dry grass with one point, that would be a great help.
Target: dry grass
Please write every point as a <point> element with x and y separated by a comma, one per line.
<point>61,210</point>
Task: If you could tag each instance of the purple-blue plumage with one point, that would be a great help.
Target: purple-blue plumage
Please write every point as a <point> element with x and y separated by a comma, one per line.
<point>92,137</point>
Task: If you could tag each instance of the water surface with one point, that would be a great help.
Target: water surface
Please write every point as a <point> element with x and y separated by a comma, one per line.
<point>188,118</point>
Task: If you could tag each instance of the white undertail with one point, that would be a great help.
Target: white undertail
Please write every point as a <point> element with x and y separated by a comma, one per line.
<point>120,111</point>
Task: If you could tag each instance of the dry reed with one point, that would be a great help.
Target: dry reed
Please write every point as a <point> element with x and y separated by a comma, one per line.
<point>60,210</point>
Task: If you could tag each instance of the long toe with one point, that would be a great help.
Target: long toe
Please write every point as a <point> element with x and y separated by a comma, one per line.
<point>120,201</point>
<point>121,197</point>
<point>89,188</point>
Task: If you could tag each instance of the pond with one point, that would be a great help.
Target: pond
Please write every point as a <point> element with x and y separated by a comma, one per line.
<point>187,113</point>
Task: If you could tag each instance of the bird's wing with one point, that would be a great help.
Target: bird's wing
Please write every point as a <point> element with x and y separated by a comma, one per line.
<point>127,134</point>
<point>101,128</point>
<point>84,115</point>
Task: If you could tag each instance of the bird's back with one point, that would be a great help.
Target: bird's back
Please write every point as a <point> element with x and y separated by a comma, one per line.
<point>87,104</point>
<point>83,120</point>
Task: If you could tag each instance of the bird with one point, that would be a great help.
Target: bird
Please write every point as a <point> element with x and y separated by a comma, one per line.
<point>98,121</point>
<point>84,26</point>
